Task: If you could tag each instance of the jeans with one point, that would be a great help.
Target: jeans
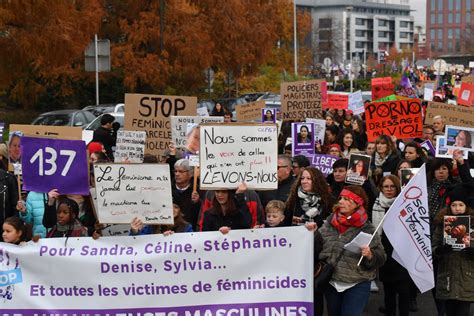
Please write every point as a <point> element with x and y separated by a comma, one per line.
<point>351,302</point>
<point>457,308</point>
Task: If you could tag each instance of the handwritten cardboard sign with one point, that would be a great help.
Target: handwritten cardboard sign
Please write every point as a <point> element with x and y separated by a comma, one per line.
<point>234,153</point>
<point>54,164</point>
<point>466,94</point>
<point>62,132</point>
<point>302,99</point>
<point>303,139</point>
<point>130,146</point>
<point>125,191</point>
<point>324,163</point>
<point>179,126</point>
<point>152,113</point>
<point>382,87</point>
<point>337,101</point>
<point>454,115</point>
<point>250,112</point>
<point>401,118</point>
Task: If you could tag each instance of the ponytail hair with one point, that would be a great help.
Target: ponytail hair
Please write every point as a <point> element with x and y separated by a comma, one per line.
<point>19,225</point>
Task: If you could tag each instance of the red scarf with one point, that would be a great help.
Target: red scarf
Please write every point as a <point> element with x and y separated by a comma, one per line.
<point>342,222</point>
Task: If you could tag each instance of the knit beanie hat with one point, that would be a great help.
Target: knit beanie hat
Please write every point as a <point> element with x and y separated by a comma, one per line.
<point>459,193</point>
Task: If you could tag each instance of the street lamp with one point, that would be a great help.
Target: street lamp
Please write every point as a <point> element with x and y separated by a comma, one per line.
<point>349,10</point>
<point>295,48</point>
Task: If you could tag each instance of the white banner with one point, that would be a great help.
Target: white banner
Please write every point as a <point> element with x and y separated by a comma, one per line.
<point>125,191</point>
<point>234,153</point>
<point>179,126</point>
<point>130,146</point>
<point>242,273</point>
<point>407,226</point>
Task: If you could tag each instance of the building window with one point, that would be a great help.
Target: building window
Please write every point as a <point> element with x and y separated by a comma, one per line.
<point>432,35</point>
<point>440,5</point>
<point>450,4</point>
<point>433,18</point>
<point>468,17</point>
<point>450,18</point>
<point>440,46</point>
<point>457,34</point>
<point>468,5</point>
<point>403,23</point>
<point>458,18</point>
<point>458,5</point>
<point>359,21</point>
<point>382,34</point>
<point>325,23</point>
<point>433,5</point>
<point>359,44</point>
<point>383,22</point>
<point>440,18</point>
<point>450,46</point>
<point>450,35</point>
<point>440,35</point>
<point>403,35</point>
<point>360,33</point>
<point>457,47</point>
<point>324,35</point>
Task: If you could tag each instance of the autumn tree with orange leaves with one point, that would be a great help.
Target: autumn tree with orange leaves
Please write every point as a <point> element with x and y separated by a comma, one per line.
<point>42,42</point>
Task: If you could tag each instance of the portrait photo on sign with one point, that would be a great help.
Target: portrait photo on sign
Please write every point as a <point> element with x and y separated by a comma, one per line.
<point>268,115</point>
<point>304,134</point>
<point>14,149</point>
<point>192,139</point>
<point>407,174</point>
<point>459,137</point>
<point>358,169</point>
<point>442,151</point>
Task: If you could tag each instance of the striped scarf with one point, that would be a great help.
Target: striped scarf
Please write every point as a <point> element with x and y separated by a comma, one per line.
<point>342,222</point>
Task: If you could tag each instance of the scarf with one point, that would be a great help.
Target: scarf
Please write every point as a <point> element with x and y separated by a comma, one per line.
<point>381,205</point>
<point>309,203</point>
<point>342,222</point>
<point>379,161</point>
<point>73,229</point>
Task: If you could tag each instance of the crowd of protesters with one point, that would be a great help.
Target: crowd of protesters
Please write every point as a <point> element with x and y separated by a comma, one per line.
<point>335,210</point>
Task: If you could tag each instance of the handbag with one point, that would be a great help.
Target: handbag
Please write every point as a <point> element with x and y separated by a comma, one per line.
<point>323,273</point>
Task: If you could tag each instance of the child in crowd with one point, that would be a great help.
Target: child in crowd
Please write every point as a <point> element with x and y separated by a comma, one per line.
<point>64,219</point>
<point>16,231</point>
<point>275,214</point>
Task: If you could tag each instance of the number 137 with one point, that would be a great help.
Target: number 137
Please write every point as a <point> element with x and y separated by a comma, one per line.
<point>71,154</point>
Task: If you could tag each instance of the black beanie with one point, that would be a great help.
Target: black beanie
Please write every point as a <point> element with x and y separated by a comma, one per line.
<point>460,192</point>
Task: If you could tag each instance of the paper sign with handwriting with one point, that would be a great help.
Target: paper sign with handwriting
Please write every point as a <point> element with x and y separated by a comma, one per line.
<point>250,112</point>
<point>130,146</point>
<point>454,115</point>
<point>231,154</point>
<point>125,191</point>
<point>302,99</point>
<point>179,125</point>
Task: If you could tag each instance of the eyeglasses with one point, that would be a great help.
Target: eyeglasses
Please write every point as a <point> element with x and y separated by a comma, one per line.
<point>389,187</point>
<point>282,166</point>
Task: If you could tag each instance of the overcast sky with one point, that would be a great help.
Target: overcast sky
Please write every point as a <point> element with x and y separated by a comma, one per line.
<point>420,11</point>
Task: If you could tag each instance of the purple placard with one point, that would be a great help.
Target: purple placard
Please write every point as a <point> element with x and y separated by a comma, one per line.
<point>64,165</point>
<point>428,145</point>
<point>324,163</point>
<point>303,140</point>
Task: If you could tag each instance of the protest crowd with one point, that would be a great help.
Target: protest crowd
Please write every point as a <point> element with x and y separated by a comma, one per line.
<point>338,173</point>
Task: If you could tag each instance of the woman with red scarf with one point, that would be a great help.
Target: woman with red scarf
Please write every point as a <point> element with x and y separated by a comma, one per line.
<point>349,287</point>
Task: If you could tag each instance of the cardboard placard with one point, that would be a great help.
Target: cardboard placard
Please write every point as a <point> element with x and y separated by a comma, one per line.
<point>234,153</point>
<point>466,94</point>
<point>130,146</point>
<point>382,87</point>
<point>125,191</point>
<point>454,115</point>
<point>62,132</point>
<point>337,101</point>
<point>152,113</point>
<point>55,164</point>
<point>468,79</point>
<point>302,99</point>
<point>303,139</point>
<point>250,112</point>
<point>179,127</point>
<point>400,118</point>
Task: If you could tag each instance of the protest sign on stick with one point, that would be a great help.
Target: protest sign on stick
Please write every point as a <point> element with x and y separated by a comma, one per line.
<point>402,119</point>
<point>234,153</point>
<point>302,99</point>
<point>125,191</point>
<point>250,112</point>
<point>55,164</point>
<point>151,113</point>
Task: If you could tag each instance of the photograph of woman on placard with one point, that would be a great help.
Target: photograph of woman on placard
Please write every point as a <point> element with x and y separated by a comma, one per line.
<point>304,135</point>
<point>358,169</point>
<point>14,150</point>
<point>459,137</point>
<point>192,138</point>
<point>268,116</point>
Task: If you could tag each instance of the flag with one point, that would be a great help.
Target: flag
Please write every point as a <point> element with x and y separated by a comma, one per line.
<point>407,227</point>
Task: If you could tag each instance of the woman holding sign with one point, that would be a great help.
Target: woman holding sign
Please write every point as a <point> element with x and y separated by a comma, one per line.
<point>229,211</point>
<point>349,287</point>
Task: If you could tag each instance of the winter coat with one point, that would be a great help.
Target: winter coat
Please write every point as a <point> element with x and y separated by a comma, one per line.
<point>346,269</point>
<point>213,220</point>
<point>280,194</point>
<point>34,212</point>
<point>8,196</point>
<point>390,165</point>
<point>455,279</point>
